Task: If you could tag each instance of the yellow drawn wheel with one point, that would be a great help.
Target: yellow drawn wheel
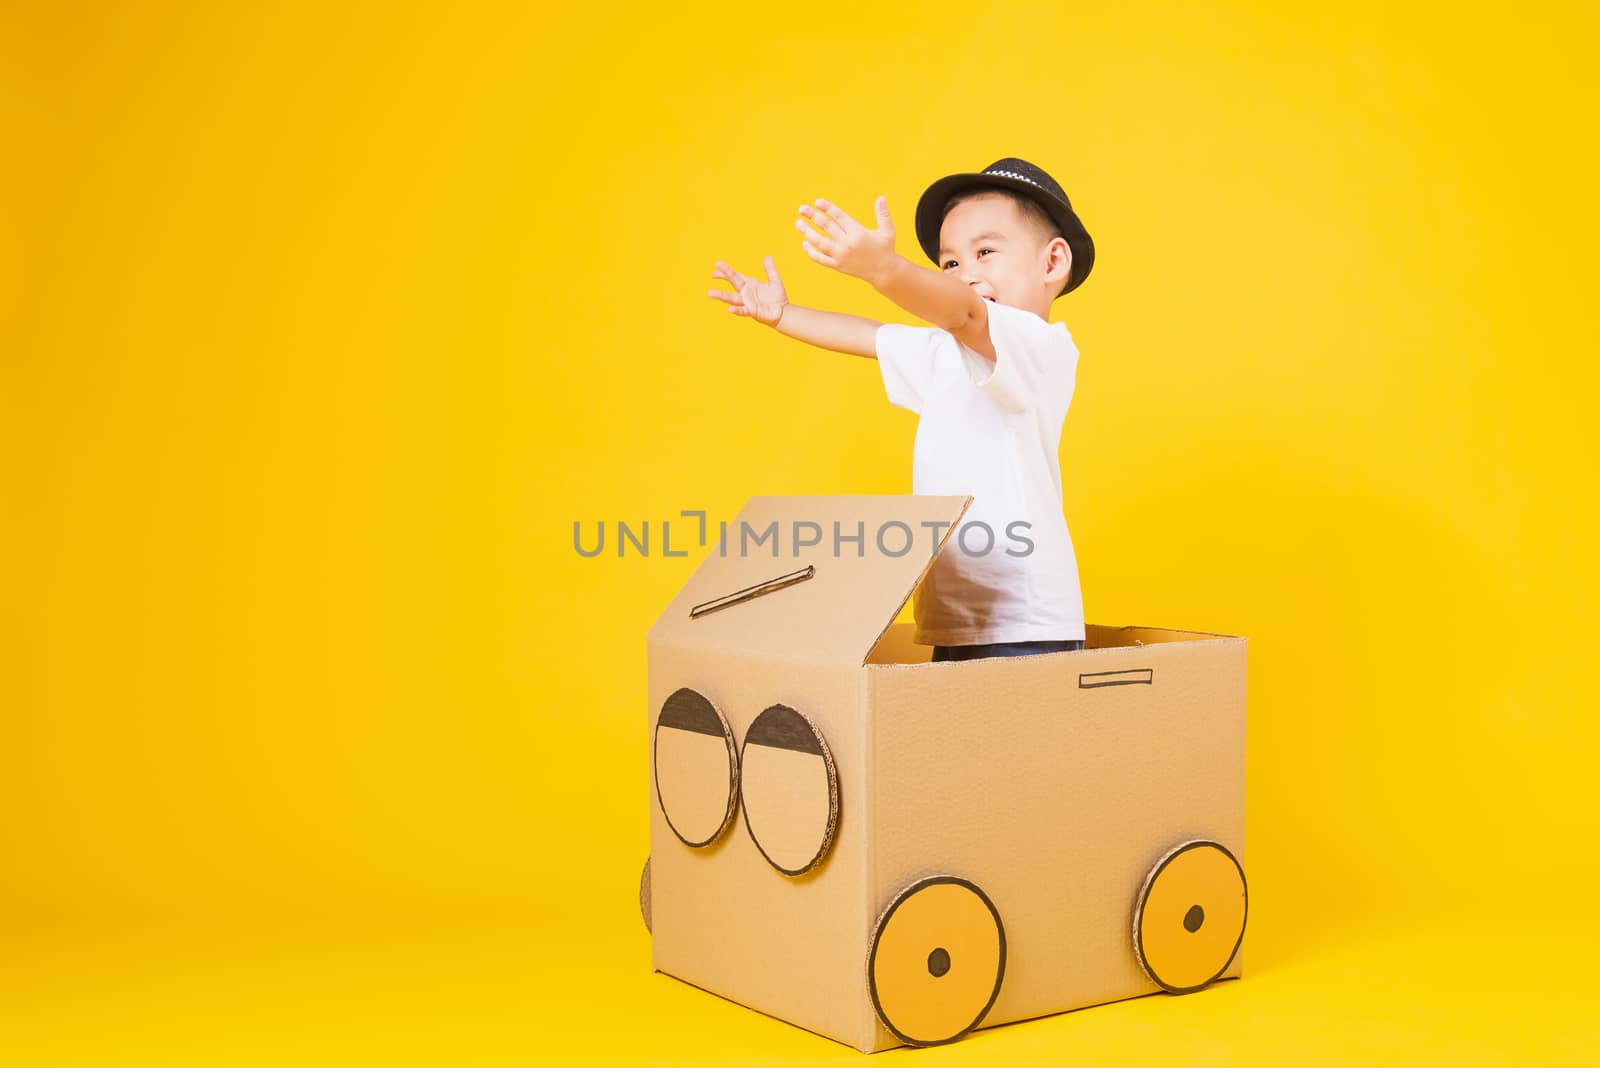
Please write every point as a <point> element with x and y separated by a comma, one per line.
<point>1189,919</point>
<point>938,957</point>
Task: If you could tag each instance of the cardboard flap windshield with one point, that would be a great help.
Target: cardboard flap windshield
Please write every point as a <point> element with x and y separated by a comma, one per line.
<point>812,578</point>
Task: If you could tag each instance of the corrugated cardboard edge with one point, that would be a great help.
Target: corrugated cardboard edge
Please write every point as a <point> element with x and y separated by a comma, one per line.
<point>911,589</point>
<point>1181,630</point>
<point>875,1036</point>
<point>644,896</point>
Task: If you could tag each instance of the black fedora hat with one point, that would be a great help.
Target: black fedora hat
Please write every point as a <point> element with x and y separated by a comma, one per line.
<point>1017,176</point>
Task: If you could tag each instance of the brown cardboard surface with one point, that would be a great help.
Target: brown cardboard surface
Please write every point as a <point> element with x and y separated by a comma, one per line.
<point>722,918</point>
<point>1056,800</point>
<point>897,646</point>
<point>1101,637</point>
<point>836,615</point>
<point>1054,784</point>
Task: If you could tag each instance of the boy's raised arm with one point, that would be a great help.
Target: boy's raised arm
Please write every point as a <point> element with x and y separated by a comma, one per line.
<point>854,334</point>
<point>930,295</point>
<point>767,303</point>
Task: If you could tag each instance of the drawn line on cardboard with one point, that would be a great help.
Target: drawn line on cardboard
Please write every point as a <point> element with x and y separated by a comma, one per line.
<point>780,731</point>
<point>687,710</point>
<point>1131,677</point>
<point>1194,919</point>
<point>749,592</point>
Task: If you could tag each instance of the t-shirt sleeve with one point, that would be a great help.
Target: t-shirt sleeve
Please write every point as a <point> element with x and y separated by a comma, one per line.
<point>906,357</point>
<point>1035,364</point>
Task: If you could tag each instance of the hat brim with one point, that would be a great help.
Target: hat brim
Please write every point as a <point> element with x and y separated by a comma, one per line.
<point>930,217</point>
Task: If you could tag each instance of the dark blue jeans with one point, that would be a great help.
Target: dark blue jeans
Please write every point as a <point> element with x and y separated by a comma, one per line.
<point>978,652</point>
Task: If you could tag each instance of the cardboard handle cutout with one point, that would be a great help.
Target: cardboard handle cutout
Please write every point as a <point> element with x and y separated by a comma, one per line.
<point>1091,680</point>
<point>739,596</point>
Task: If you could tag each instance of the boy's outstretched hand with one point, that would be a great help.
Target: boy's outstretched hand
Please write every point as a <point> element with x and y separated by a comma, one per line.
<point>844,244</point>
<point>761,301</point>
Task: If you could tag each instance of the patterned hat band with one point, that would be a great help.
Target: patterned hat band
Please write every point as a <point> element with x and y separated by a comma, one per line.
<point>1014,174</point>
<point>1049,196</point>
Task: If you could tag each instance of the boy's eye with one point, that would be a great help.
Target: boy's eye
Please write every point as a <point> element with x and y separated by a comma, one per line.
<point>951,263</point>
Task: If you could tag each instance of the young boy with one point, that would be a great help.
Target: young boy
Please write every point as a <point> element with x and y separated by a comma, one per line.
<point>991,383</point>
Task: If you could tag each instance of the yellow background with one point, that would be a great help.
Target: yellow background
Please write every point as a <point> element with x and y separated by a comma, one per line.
<point>320,329</point>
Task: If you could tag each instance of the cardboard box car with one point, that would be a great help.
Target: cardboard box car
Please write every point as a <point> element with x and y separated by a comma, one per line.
<point>885,850</point>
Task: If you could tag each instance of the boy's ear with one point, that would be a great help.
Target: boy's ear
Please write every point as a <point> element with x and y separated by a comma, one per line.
<point>1058,263</point>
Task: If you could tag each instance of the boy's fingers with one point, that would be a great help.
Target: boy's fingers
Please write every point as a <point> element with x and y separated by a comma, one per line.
<point>826,261</point>
<point>772,270</point>
<point>811,235</point>
<point>731,298</point>
<point>817,217</point>
<point>837,214</point>
<point>882,210</point>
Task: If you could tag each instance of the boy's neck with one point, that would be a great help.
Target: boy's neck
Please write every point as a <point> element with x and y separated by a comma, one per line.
<point>1042,311</point>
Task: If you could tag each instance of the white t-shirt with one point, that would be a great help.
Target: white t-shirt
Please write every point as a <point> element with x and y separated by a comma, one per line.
<point>993,435</point>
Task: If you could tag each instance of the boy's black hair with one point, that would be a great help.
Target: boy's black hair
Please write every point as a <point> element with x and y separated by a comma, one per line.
<point>1032,212</point>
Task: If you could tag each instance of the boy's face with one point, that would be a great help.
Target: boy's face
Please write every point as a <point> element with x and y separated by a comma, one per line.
<point>986,242</point>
